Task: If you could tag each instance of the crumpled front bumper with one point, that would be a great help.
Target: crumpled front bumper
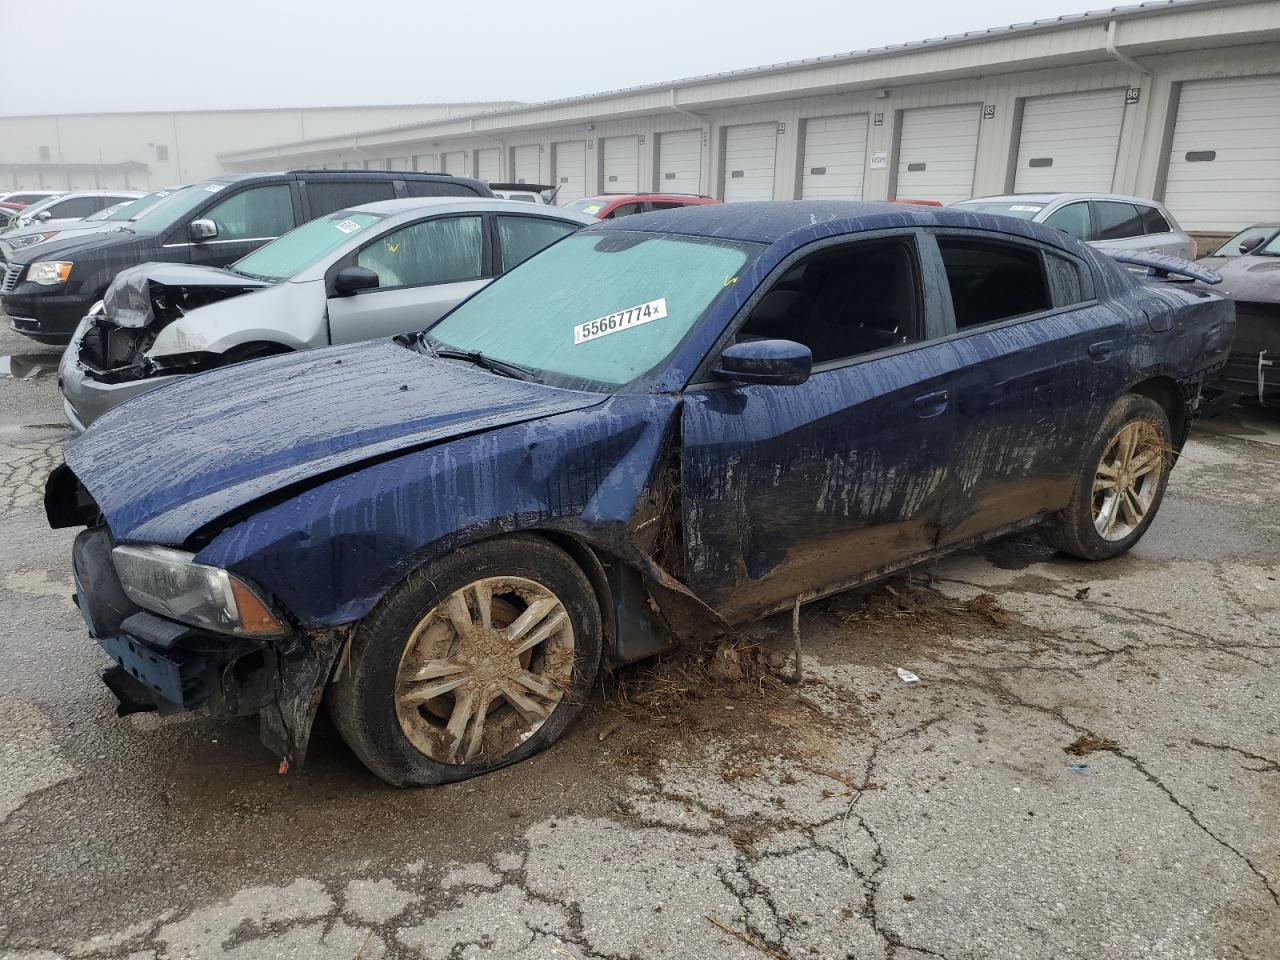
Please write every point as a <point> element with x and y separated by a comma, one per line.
<point>166,666</point>
<point>85,398</point>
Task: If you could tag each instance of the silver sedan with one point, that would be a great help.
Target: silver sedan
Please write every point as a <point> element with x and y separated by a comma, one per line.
<point>370,271</point>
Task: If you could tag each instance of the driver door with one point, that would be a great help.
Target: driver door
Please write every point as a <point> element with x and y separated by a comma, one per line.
<point>424,270</point>
<point>791,490</point>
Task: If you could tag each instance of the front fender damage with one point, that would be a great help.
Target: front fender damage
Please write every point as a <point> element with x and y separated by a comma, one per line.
<point>303,673</point>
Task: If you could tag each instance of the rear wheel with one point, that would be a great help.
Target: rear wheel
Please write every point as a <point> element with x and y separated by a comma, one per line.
<point>1121,483</point>
<point>476,661</point>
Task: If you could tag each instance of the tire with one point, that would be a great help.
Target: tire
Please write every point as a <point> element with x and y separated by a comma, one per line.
<point>403,726</point>
<point>1098,523</point>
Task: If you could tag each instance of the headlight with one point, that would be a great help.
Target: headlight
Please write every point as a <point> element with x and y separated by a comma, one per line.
<point>31,239</point>
<point>171,583</point>
<point>49,272</point>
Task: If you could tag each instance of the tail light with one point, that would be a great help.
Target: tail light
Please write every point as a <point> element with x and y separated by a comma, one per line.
<point>1195,249</point>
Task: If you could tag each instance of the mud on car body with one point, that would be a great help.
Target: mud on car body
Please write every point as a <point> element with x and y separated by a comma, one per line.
<point>658,427</point>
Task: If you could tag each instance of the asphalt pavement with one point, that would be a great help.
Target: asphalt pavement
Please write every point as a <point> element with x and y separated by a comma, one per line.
<point>1088,767</point>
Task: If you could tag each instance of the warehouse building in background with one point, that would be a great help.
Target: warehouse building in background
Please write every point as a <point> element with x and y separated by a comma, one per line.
<point>1179,101</point>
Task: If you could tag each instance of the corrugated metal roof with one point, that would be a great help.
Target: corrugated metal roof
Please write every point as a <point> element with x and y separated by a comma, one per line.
<point>1128,11</point>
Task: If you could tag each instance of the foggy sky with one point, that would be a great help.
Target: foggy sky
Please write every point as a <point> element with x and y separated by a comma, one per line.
<point>118,55</point>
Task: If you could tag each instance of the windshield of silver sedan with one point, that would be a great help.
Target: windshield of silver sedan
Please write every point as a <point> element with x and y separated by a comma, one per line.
<point>595,311</point>
<point>298,249</point>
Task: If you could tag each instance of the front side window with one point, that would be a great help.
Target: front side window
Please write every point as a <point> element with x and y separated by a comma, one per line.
<point>1116,220</point>
<point>992,281</point>
<point>447,250</point>
<point>254,213</point>
<point>300,248</point>
<point>522,237</point>
<point>1073,219</point>
<point>622,210</point>
<point>596,311</point>
<point>843,302</point>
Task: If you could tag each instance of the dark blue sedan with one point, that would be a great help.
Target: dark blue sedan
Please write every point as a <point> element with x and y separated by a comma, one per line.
<point>657,428</point>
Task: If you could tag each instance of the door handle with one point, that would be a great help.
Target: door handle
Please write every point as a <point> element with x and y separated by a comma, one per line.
<point>930,404</point>
<point>1101,350</point>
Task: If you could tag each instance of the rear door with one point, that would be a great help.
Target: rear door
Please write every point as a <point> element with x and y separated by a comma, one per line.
<point>246,219</point>
<point>424,269</point>
<point>1036,361</point>
<point>792,490</point>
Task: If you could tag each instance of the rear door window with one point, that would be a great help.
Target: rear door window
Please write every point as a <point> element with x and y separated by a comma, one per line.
<point>445,250</point>
<point>1153,221</point>
<point>1116,220</point>
<point>326,196</point>
<point>439,188</point>
<point>623,210</point>
<point>991,280</point>
<point>1072,219</point>
<point>259,213</point>
<point>521,237</point>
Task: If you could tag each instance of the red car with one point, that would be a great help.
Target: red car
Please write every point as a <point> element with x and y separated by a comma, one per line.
<point>613,205</point>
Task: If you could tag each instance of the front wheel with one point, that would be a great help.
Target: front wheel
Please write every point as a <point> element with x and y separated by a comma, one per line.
<point>1121,483</point>
<point>476,661</point>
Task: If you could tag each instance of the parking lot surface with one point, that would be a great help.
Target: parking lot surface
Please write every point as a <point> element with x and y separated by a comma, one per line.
<point>1088,767</point>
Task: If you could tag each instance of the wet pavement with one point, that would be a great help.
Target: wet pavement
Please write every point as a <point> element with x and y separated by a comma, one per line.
<point>1089,767</point>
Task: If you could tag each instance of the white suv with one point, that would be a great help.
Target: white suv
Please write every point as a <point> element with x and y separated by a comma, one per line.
<point>1104,220</point>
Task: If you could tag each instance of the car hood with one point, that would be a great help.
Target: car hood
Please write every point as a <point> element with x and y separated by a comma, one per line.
<point>165,464</point>
<point>1252,278</point>
<point>130,301</point>
<point>80,240</point>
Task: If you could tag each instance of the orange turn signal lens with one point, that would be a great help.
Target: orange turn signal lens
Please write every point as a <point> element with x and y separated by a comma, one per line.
<point>255,617</point>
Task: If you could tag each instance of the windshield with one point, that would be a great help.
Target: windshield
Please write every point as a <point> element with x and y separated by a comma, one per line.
<point>174,205</point>
<point>135,208</point>
<point>298,249</point>
<point>1271,249</point>
<point>1255,235</point>
<point>588,205</point>
<point>596,311</point>
<point>1005,208</point>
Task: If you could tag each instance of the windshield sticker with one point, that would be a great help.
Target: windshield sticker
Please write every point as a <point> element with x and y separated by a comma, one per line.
<point>1025,208</point>
<point>162,193</point>
<point>213,187</point>
<point>592,208</point>
<point>348,226</point>
<point>622,320</point>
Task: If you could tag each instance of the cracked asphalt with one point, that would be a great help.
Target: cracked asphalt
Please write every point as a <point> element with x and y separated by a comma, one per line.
<point>1089,767</point>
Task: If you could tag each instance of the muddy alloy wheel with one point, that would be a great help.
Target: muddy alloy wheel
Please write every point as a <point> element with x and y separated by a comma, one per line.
<point>1120,483</point>
<point>479,659</point>
<point>484,669</point>
<point>1128,477</point>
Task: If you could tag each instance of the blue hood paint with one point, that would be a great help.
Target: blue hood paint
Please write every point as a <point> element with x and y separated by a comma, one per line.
<point>169,462</point>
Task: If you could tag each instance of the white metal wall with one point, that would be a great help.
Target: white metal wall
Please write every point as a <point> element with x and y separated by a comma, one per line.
<point>569,169</point>
<point>679,162</point>
<point>1069,142</point>
<point>750,153</point>
<point>834,158</point>
<point>1224,161</point>
<point>938,153</point>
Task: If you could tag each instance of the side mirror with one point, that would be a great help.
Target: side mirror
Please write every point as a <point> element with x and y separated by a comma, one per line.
<point>765,361</point>
<point>1248,246</point>
<point>44,215</point>
<point>200,230</point>
<point>354,279</point>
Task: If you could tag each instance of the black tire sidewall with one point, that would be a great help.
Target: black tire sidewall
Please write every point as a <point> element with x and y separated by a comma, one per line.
<point>1129,408</point>
<point>362,699</point>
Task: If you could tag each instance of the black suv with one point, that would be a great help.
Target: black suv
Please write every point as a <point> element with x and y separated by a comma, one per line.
<point>48,289</point>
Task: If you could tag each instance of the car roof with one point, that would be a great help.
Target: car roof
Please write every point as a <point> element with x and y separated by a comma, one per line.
<point>772,221</point>
<point>1047,198</point>
<point>407,205</point>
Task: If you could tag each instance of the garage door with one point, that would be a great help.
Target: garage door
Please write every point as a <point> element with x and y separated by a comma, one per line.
<point>680,162</point>
<point>621,165</point>
<point>749,154</point>
<point>1069,143</point>
<point>526,163</point>
<point>937,151</point>
<point>488,162</point>
<point>455,162</point>
<point>1224,167</point>
<point>835,150</point>
<point>569,169</point>
<point>424,161</point>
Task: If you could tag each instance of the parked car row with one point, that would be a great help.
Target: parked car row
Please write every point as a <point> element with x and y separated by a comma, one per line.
<point>628,431</point>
